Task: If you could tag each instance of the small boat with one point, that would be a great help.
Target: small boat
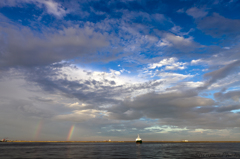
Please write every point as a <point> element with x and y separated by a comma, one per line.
<point>138,140</point>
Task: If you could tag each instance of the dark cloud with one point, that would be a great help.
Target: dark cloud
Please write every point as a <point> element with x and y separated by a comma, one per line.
<point>24,47</point>
<point>28,108</point>
<point>230,95</point>
<point>227,108</point>
<point>214,120</point>
<point>112,82</point>
<point>153,105</point>
<point>211,109</point>
<point>217,26</point>
<point>222,72</point>
<point>40,99</point>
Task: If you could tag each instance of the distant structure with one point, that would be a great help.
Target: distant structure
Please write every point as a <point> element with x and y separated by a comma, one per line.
<point>3,140</point>
<point>138,140</point>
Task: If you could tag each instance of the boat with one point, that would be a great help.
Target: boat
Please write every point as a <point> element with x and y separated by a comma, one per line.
<point>138,140</point>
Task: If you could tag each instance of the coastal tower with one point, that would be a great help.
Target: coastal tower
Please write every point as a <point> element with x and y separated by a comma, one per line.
<point>138,140</point>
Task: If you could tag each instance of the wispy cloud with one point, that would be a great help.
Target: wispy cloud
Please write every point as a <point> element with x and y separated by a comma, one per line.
<point>51,6</point>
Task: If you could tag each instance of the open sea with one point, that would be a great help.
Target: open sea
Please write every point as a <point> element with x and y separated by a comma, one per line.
<point>119,150</point>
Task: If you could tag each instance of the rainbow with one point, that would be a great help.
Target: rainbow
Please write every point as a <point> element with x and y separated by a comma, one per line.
<point>38,129</point>
<point>70,132</point>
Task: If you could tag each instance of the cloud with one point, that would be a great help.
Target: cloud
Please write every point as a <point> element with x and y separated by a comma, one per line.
<point>52,7</point>
<point>114,72</point>
<point>178,42</point>
<point>230,95</point>
<point>77,105</point>
<point>24,47</point>
<point>196,12</point>
<point>80,115</point>
<point>27,108</point>
<point>177,106</point>
<point>176,29</point>
<point>205,120</point>
<point>164,105</point>
<point>176,66</point>
<point>169,63</point>
<point>222,72</point>
<point>164,62</point>
<point>163,42</point>
<point>99,87</point>
<point>173,75</point>
<point>196,62</point>
<point>40,99</point>
<point>217,26</point>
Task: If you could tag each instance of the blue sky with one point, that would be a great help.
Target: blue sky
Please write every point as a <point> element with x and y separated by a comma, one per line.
<point>167,70</point>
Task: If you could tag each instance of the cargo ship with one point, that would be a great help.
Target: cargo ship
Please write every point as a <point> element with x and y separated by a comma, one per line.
<point>138,140</point>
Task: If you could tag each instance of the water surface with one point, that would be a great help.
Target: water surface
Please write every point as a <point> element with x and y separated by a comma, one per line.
<point>119,150</point>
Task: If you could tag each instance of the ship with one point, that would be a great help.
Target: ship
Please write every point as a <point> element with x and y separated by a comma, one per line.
<point>138,140</point>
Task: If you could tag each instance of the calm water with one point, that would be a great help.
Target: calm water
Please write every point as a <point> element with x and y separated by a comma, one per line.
<point>119,150</point>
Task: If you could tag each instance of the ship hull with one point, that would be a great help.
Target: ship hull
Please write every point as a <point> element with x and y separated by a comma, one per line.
<point>139,142</point>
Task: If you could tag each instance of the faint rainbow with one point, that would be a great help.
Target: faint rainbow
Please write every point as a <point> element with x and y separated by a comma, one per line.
<point>70,132</point>
<point>38,129</point>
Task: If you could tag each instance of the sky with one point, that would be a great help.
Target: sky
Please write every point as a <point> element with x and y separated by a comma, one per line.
<point>107,69</point>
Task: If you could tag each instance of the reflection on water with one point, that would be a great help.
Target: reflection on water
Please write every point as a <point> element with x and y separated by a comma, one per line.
<point>138,152</point>
<point>119,150</point>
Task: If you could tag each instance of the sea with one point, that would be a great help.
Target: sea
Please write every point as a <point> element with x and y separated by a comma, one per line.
<point>110,150</point>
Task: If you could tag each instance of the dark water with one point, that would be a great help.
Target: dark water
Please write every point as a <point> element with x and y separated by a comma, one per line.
<point>119,150</point>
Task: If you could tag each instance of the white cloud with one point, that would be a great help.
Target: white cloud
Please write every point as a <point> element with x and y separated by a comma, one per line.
<point>124,70</point>
<point>51,6</point>
<point>227,48</point>
<point>150,38</point>
<point>196,62</point>
<point>177,41</point>
<point>163,42</point>
<point>100,76</point>
<point>194,84</point>
<point>54,8</point>
<point>114,72</point>
<point>176,66</point>
<point>164,62</point>
<point>76,105</point>
<point>170,64</point>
